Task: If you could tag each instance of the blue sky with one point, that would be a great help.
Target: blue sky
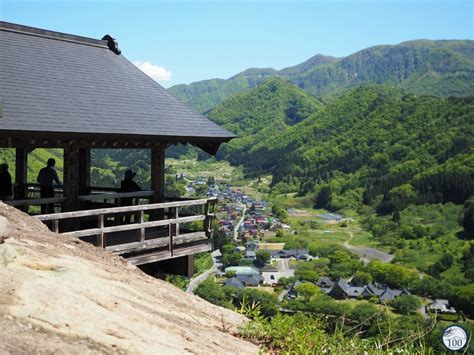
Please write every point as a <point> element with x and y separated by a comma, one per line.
<point>184,41</point>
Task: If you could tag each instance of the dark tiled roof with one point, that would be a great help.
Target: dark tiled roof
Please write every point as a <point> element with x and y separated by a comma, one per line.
<point>290,252</point>
<point>354,291</point>
<point>389,294</point>
<point>234,282</point>
<point>253,280</point>
<point>374,289</point>
<point>324,281</point>
<point>51,82</point>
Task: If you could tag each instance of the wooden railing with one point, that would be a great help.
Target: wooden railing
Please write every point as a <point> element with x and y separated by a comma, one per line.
<point>169,209</point>
<point>115,196</point>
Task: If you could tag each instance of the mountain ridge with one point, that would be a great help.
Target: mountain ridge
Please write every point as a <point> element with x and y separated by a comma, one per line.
<point>439,67</point>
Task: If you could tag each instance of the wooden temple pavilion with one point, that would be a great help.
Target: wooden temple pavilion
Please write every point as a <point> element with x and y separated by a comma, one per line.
<point>75,93</point>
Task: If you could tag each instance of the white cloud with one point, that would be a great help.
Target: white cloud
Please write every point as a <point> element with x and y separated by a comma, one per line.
<point>155,72</point>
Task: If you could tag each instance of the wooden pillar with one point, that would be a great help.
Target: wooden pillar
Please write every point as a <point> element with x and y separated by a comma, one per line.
<point>71,177</point>
<point>190,266</point>
<point>21,172</point>
<point>158,178</point>
<point>84,171</point>
<point>158,173</point>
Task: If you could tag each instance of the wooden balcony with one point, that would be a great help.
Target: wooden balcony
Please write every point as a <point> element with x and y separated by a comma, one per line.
<point>141,233</point>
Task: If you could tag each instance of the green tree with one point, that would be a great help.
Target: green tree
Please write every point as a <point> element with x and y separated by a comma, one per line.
<point>227,248</point>
<point>306,290</point>
<point>280,233</point>
<point>306,275</point>
<point>269,303</point>
<point>323,198</point>
<point>468,218</point>
<point>363,311</point>
<point>279,211</point>
<point>406,304</point>
<point>212,292</point>
<point>285,281</point>
<point>361,278</point>
<point>263,257</point>
<point>231,259</point>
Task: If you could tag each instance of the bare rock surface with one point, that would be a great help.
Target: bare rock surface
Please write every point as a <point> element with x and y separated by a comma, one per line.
<point>61,295</point>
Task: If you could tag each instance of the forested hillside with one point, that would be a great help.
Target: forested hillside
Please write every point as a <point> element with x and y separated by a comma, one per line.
<point>406,147</point>
<point>403,162</point>
<point>260,115</point>
<point>442,68</point>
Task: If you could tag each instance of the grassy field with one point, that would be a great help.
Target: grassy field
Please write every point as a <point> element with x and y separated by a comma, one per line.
<point>205,169</point>
<point>202,263</point>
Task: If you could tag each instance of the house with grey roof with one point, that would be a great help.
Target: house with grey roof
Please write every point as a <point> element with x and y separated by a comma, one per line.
<point>341,289</point>
<point>243,270</point>
<point>441,306</point>
<point>250,280</point>
<point>325,282</point>
<point>234,282</point>
<point>250,255</point>
<point>290,253</point>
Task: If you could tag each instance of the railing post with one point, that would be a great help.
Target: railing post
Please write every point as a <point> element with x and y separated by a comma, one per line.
<point>173,230</point>
<point>56,226</point>
<point>176,216</point>
<point>142,230</point>
<point>206,220</point>
<point>100,240</point>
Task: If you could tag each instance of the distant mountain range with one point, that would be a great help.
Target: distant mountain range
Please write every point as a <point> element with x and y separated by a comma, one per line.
<point>442,68</point>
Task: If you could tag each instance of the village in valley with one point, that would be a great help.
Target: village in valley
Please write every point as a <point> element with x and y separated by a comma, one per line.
<point>252,253</point>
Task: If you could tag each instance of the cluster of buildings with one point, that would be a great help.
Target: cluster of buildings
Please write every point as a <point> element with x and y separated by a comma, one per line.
<point>342,289</point>
<point>250,276</point>
<point>257,219</point>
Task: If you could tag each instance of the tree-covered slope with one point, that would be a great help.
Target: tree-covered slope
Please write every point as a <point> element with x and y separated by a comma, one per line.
<point>264,112</point>
<point>441,68</point>
<point>405,147</point>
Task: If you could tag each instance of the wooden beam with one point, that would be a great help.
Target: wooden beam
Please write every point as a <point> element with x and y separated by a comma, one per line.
<point>156,243</point>
<point>98,211</point>
<point>21,171</point>
<point>164,255</point>
<point>131,227</point>
<point>35,202</point>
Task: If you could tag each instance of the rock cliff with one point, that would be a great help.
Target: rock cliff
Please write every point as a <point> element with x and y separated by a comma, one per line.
<point>61,295</point>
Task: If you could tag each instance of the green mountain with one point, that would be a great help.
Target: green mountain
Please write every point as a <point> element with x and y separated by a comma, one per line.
<point>443,68</point>
<point>379,138</point>
<point>269,110</point>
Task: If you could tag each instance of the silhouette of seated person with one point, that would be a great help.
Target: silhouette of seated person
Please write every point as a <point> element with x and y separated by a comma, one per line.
<point>46,178</point>
<point>6,193</point>
<point>128,185</point>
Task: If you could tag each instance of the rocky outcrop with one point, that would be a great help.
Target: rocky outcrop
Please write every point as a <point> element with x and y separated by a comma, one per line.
<point>61,295</point>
